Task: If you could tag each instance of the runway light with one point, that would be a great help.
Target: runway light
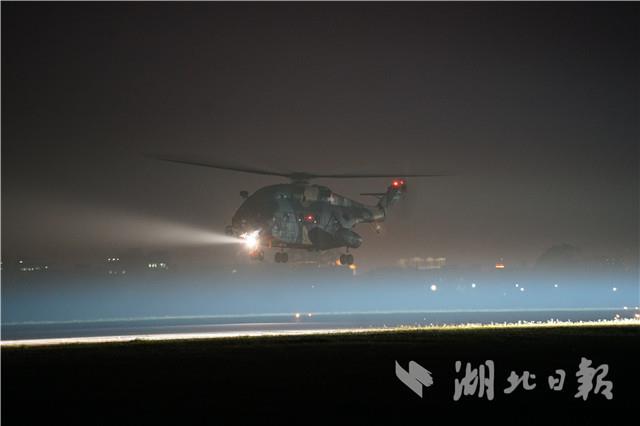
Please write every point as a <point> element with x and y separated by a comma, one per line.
<point>353,267</point>
<point>258,333</point>
<point>521,288</point>
<point>297,315</point>
<point>433,287</point>
<point>555,285</point>
<point>473,285</point>
<point>615,289</point>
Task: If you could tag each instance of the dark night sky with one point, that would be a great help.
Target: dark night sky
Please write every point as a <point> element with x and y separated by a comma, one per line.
<point>533,107</point>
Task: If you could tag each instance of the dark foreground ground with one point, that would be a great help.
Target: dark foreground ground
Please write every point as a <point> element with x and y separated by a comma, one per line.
<point>327,378</point>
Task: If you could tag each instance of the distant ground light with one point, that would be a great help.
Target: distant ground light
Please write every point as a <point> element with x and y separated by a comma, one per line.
<point>214,335</point>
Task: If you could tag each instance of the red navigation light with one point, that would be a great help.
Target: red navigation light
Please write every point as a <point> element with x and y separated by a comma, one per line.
<point>397,183</point>
<point>309,218</point>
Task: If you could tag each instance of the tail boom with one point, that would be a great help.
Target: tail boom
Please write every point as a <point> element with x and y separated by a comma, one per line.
<point>388,199</point>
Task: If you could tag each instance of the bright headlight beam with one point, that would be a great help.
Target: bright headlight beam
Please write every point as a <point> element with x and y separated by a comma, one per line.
<point>251,240</point>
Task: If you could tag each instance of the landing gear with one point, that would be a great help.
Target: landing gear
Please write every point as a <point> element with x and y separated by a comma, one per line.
<point>346,259</point>
<point>257,255</point>
<point>281,257</point>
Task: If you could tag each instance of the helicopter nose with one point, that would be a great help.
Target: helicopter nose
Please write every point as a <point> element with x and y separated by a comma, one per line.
<point>254,214</point>
<point>240,225</point>
<point>243,224</point>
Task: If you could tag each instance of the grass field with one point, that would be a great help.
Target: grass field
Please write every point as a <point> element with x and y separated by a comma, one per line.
<point>329,378</point>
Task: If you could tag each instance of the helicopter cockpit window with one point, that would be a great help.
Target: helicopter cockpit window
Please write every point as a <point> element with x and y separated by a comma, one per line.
<point>310,193</point>
<point>282,196</point>
<point>297,194</point>
<point>324,193</point>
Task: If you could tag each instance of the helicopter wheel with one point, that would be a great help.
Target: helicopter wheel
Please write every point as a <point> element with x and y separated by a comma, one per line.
<point>349,259</point>
<point>258,255</point>
<point>346,259</point>
<point>281,257</point>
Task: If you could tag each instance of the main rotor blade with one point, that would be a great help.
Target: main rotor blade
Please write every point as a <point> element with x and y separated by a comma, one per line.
<point>366,175</point>
<point>226,167</point>
<point>295,176</point>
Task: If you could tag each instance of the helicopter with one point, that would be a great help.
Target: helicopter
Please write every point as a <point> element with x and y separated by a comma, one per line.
<point>302,215</point>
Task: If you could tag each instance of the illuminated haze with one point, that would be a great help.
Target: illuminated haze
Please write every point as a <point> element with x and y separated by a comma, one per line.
<point>533,109</point>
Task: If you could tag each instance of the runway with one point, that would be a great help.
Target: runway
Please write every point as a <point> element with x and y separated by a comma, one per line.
<point>352,369</point>
<point>297,323</point>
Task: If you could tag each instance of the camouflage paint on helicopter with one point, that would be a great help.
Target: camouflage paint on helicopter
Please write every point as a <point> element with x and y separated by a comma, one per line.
<point>308,216</point>
<point>300,215</point>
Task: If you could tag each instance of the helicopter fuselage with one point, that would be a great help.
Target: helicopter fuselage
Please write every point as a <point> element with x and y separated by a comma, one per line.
<point>302,215</point>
